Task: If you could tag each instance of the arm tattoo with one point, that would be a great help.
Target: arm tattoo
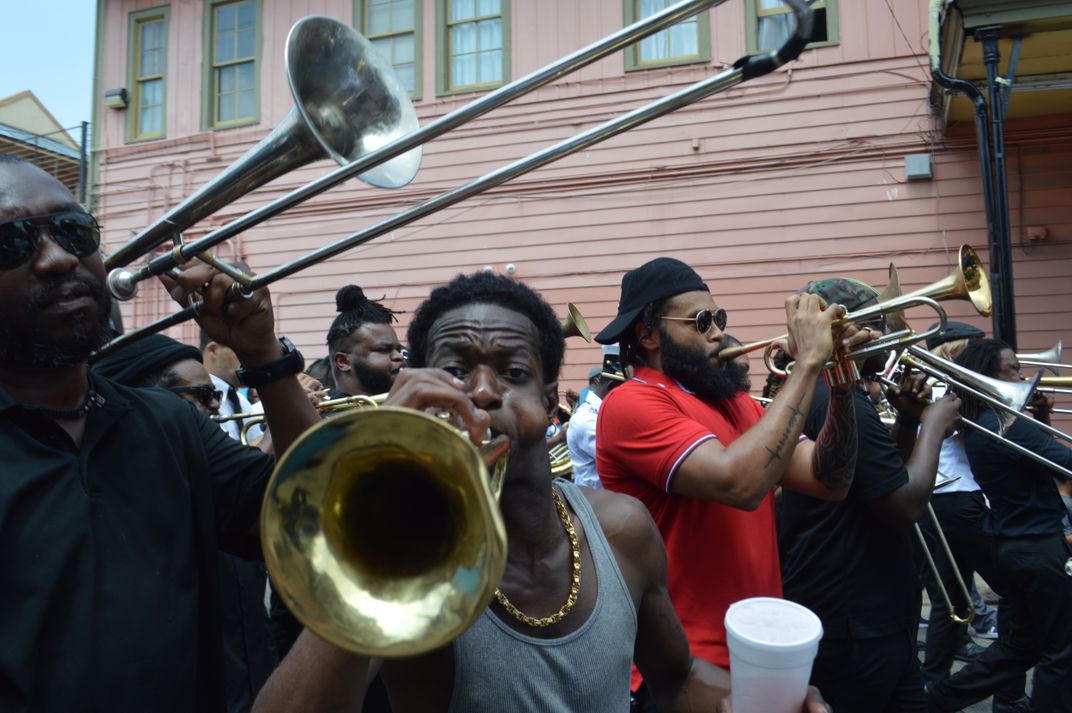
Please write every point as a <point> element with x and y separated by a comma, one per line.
<point>834,459</point>
<point>776,452</point>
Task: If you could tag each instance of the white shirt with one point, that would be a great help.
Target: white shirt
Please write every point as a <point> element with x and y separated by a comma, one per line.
<point>581,439</point>
<point>953,460</point>
<point>232,428</point>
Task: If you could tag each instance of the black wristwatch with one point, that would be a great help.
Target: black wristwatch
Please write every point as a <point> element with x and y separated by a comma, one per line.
<point>289,364</point>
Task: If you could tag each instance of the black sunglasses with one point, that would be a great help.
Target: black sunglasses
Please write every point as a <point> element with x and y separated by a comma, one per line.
<point>205,395</point>
<point>73,230</point>
<point>704,319</point>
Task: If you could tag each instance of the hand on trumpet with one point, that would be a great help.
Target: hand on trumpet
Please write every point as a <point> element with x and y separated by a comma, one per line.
<point>435,390</point>
<point>815,333</point>
<point>1041,406</point>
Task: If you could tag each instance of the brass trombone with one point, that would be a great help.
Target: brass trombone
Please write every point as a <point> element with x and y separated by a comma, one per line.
<point>124,282</point>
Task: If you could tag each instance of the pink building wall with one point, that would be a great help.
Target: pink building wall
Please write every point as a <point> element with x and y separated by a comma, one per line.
<point>790,177</point>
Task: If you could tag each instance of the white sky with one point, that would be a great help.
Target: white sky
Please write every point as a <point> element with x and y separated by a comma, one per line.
<point>48,49</point>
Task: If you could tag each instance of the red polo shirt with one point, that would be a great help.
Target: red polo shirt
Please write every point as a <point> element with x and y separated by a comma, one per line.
<point>717,554</point>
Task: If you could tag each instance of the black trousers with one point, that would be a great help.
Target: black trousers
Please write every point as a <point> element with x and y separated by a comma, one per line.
<point>961,516</point>
<point>1035,631</point>
<point>872,675</point>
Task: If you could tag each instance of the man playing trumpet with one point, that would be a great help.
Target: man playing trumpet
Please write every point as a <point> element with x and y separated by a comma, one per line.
<point>703,456</point>
<point>583,593</point>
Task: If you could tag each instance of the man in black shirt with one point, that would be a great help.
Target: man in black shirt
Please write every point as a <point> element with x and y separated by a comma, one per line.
<point>113,500</point>
<point>851,562</point>
<point>1035,561</point>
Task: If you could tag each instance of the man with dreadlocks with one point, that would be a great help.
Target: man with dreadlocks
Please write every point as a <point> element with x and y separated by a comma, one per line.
<point>1033,556</point>
<point>363,349</point>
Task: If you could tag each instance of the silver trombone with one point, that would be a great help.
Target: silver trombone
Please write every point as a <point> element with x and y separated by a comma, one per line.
<point>1008,397</point>
<point>125,281</point>
<point>1049,359</point>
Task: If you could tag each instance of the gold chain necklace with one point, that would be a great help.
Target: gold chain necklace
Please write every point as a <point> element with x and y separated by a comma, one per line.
<point>575,584</point>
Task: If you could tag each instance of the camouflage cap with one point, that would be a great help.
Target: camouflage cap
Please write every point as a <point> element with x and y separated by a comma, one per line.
<point>851,294</point>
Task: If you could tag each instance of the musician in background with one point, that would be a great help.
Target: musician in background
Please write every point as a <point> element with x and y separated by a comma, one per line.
<point>221,362</point>
<point>581,434</point>
<point>1033,556</point>
<point>961,510</point>
<point>115,499</point>
<point>161,362</point>
<point>704,457</point>
<point>852,562</point>
<point>488,349</point>
<point>364,350</point>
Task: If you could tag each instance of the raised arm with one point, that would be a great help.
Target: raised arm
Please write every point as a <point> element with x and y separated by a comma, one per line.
<point>248,327</point>
<point>742,473</point>
<point>824,468</point>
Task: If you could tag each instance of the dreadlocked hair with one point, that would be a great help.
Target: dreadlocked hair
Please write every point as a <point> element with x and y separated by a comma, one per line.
<point>629,341</point>
<point>355,310</point>
<point>983,356</point>
<point>488,288</point>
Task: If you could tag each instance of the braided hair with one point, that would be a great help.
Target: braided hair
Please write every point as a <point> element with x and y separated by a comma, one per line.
<point>355,310</point>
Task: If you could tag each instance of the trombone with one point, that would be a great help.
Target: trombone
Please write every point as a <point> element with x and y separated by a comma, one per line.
<point>1049,359</point>
<point>123,282</point>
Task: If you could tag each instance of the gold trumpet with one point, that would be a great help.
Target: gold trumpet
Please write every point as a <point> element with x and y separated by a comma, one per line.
<point>381,530</point>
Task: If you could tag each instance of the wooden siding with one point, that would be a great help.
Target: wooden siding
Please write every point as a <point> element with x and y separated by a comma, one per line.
<point>787,178</point>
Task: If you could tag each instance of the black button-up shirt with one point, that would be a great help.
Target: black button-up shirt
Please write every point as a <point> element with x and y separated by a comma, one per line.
<point>108,593</point>
<point>1023,499</point>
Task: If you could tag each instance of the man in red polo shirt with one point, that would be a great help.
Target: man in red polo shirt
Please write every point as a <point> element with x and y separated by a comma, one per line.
<point>703,456</point>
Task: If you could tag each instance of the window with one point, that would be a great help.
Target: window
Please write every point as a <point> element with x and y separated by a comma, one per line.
<point>233,43</point>
<point>392,27</point>
<point>473,34</point>
<point>148,68</point>
<point>770,23</point>
<point>682,43</point>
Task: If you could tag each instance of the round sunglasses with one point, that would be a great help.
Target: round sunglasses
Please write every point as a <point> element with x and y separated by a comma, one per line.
<point>75,231</point>
<point>704,319</point>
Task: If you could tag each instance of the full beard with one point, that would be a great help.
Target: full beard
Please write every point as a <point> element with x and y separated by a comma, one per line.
<point>23,345</point>
<point>693,370</point>
<point>375,382</point>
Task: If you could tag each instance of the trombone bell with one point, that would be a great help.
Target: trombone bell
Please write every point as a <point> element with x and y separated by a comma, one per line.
<point>381,532</point>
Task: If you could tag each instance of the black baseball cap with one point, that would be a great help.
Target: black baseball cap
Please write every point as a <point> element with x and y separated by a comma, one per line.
<point>655,280</point>
<point>954,331</point>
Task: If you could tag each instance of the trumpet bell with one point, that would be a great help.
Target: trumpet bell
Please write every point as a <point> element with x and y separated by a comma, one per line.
<point>381,532</point>
<point>574,325</point>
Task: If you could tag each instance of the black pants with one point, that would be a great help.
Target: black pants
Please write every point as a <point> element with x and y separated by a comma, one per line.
<point>961,516</point>
<point>1035,631</point>
<point>872,675</point>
